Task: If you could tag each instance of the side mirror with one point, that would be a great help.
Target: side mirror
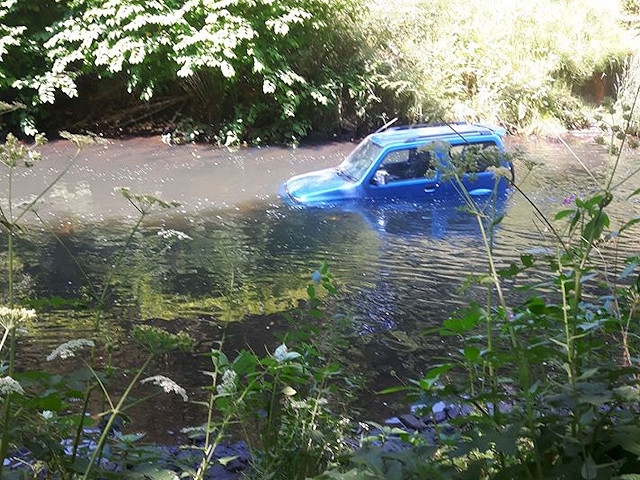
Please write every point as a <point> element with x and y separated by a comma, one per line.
<point>380,177</point>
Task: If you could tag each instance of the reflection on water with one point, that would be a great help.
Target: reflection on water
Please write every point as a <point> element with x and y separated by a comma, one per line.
<point>400,267</point>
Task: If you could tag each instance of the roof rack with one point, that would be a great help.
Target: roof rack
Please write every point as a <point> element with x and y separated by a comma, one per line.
<point>480,130</point>
<point>424,125</point>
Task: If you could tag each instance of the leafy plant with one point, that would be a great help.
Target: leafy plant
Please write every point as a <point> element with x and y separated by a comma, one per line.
<point>244,71</point>
<point>548,387</point>
<point>39,412</point>
<point>239,61</point>
<point>482,73</point>
<point>279,404</point>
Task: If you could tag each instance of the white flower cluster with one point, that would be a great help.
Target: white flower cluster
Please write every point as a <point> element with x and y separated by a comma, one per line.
<point>282,354</point>
<point>8,385</point>
<point>14,317</point>
<point>173,234</point>
<point>69,349</point>
<point>192,430</point>
<point>228,385</point>
<point>167,385</point>
<point>308,404</point>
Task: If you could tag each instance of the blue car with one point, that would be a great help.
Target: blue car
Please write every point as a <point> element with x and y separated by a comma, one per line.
<point>414,162</point>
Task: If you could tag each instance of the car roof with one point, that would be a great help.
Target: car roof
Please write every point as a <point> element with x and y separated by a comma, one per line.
<point>415,133</point>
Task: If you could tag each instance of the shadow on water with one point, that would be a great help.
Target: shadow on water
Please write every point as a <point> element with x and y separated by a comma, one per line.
<point>242,270</point>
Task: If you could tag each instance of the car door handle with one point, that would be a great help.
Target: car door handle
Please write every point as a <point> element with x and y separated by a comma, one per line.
<point>431,190</point>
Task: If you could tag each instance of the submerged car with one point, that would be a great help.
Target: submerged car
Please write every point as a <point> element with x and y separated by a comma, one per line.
<point>414,162</point>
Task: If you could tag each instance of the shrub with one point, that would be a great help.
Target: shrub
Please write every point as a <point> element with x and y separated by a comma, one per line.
<point>239,61</point>
<point>446,60</point>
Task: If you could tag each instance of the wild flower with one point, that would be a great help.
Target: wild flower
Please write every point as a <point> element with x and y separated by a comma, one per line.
<point>300,404</point>
<point>47,414</point>
<point>316,276</point>
<point>228,385</point>
<point>69,349</point>
<point>282,354</point>
<point>8,385</point>
<point>192,430</point>
<point>173,234</point>
<point>568,200</point>
<point>11,318</point>
<point>167,385</point>
<point>268,86</point>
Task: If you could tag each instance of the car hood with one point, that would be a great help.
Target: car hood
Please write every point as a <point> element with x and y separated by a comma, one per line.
<point>319,186</point>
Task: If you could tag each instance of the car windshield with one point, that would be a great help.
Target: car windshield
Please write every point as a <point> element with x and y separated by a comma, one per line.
<point>359,160</point>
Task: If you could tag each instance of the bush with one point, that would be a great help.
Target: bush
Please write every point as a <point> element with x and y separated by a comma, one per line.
<point>247,67</point>
<point>446,60</point>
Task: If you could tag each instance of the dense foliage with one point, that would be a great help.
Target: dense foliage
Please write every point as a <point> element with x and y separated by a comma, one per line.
<point>261,70</point>
<point>548,386</point>
<point>242,64</point>
<point>452,61</point>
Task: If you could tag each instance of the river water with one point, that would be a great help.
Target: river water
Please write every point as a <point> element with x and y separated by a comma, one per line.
<point>242,259</point>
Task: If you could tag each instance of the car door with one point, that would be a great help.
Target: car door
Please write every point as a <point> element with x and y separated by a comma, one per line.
<point>404,173</point>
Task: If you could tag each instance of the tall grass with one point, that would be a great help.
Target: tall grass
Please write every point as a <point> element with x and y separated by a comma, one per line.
<point>516,63</point>
<point>628,86</point>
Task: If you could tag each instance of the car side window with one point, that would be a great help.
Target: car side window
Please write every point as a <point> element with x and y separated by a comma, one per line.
<point>475,158</point>
<point>405,164</point>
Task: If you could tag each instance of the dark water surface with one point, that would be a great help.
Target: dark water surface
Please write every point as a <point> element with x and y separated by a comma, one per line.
<point>248,258</point>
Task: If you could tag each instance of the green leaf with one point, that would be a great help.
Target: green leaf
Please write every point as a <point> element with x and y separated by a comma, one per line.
<point>324,268</point>
<point>472,354</point>
<point>328,286</point>
<point>594,228</point>
<point>588,374</point>
<point>627,393</point>
<point>589,469</point>
<point>527,259</point>
<point>399,388</point>
<point>564,213</point>
<point>245,363</point>
<point>506,441</point>
<point>435,372</point>
<point>471,318</point>
<point>629,224</point>
<point>50,402</point>
<point>634,193</point>
<point>148,470</point>
<point>311,291</point>
<point>594,393</point>
<point>628,437</point>
<point>536,305</point>
<point>498,220</point>
<point>509,272</point>
<point>224,460</point>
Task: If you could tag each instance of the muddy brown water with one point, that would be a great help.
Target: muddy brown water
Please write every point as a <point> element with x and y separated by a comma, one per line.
<point>248,258</point>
